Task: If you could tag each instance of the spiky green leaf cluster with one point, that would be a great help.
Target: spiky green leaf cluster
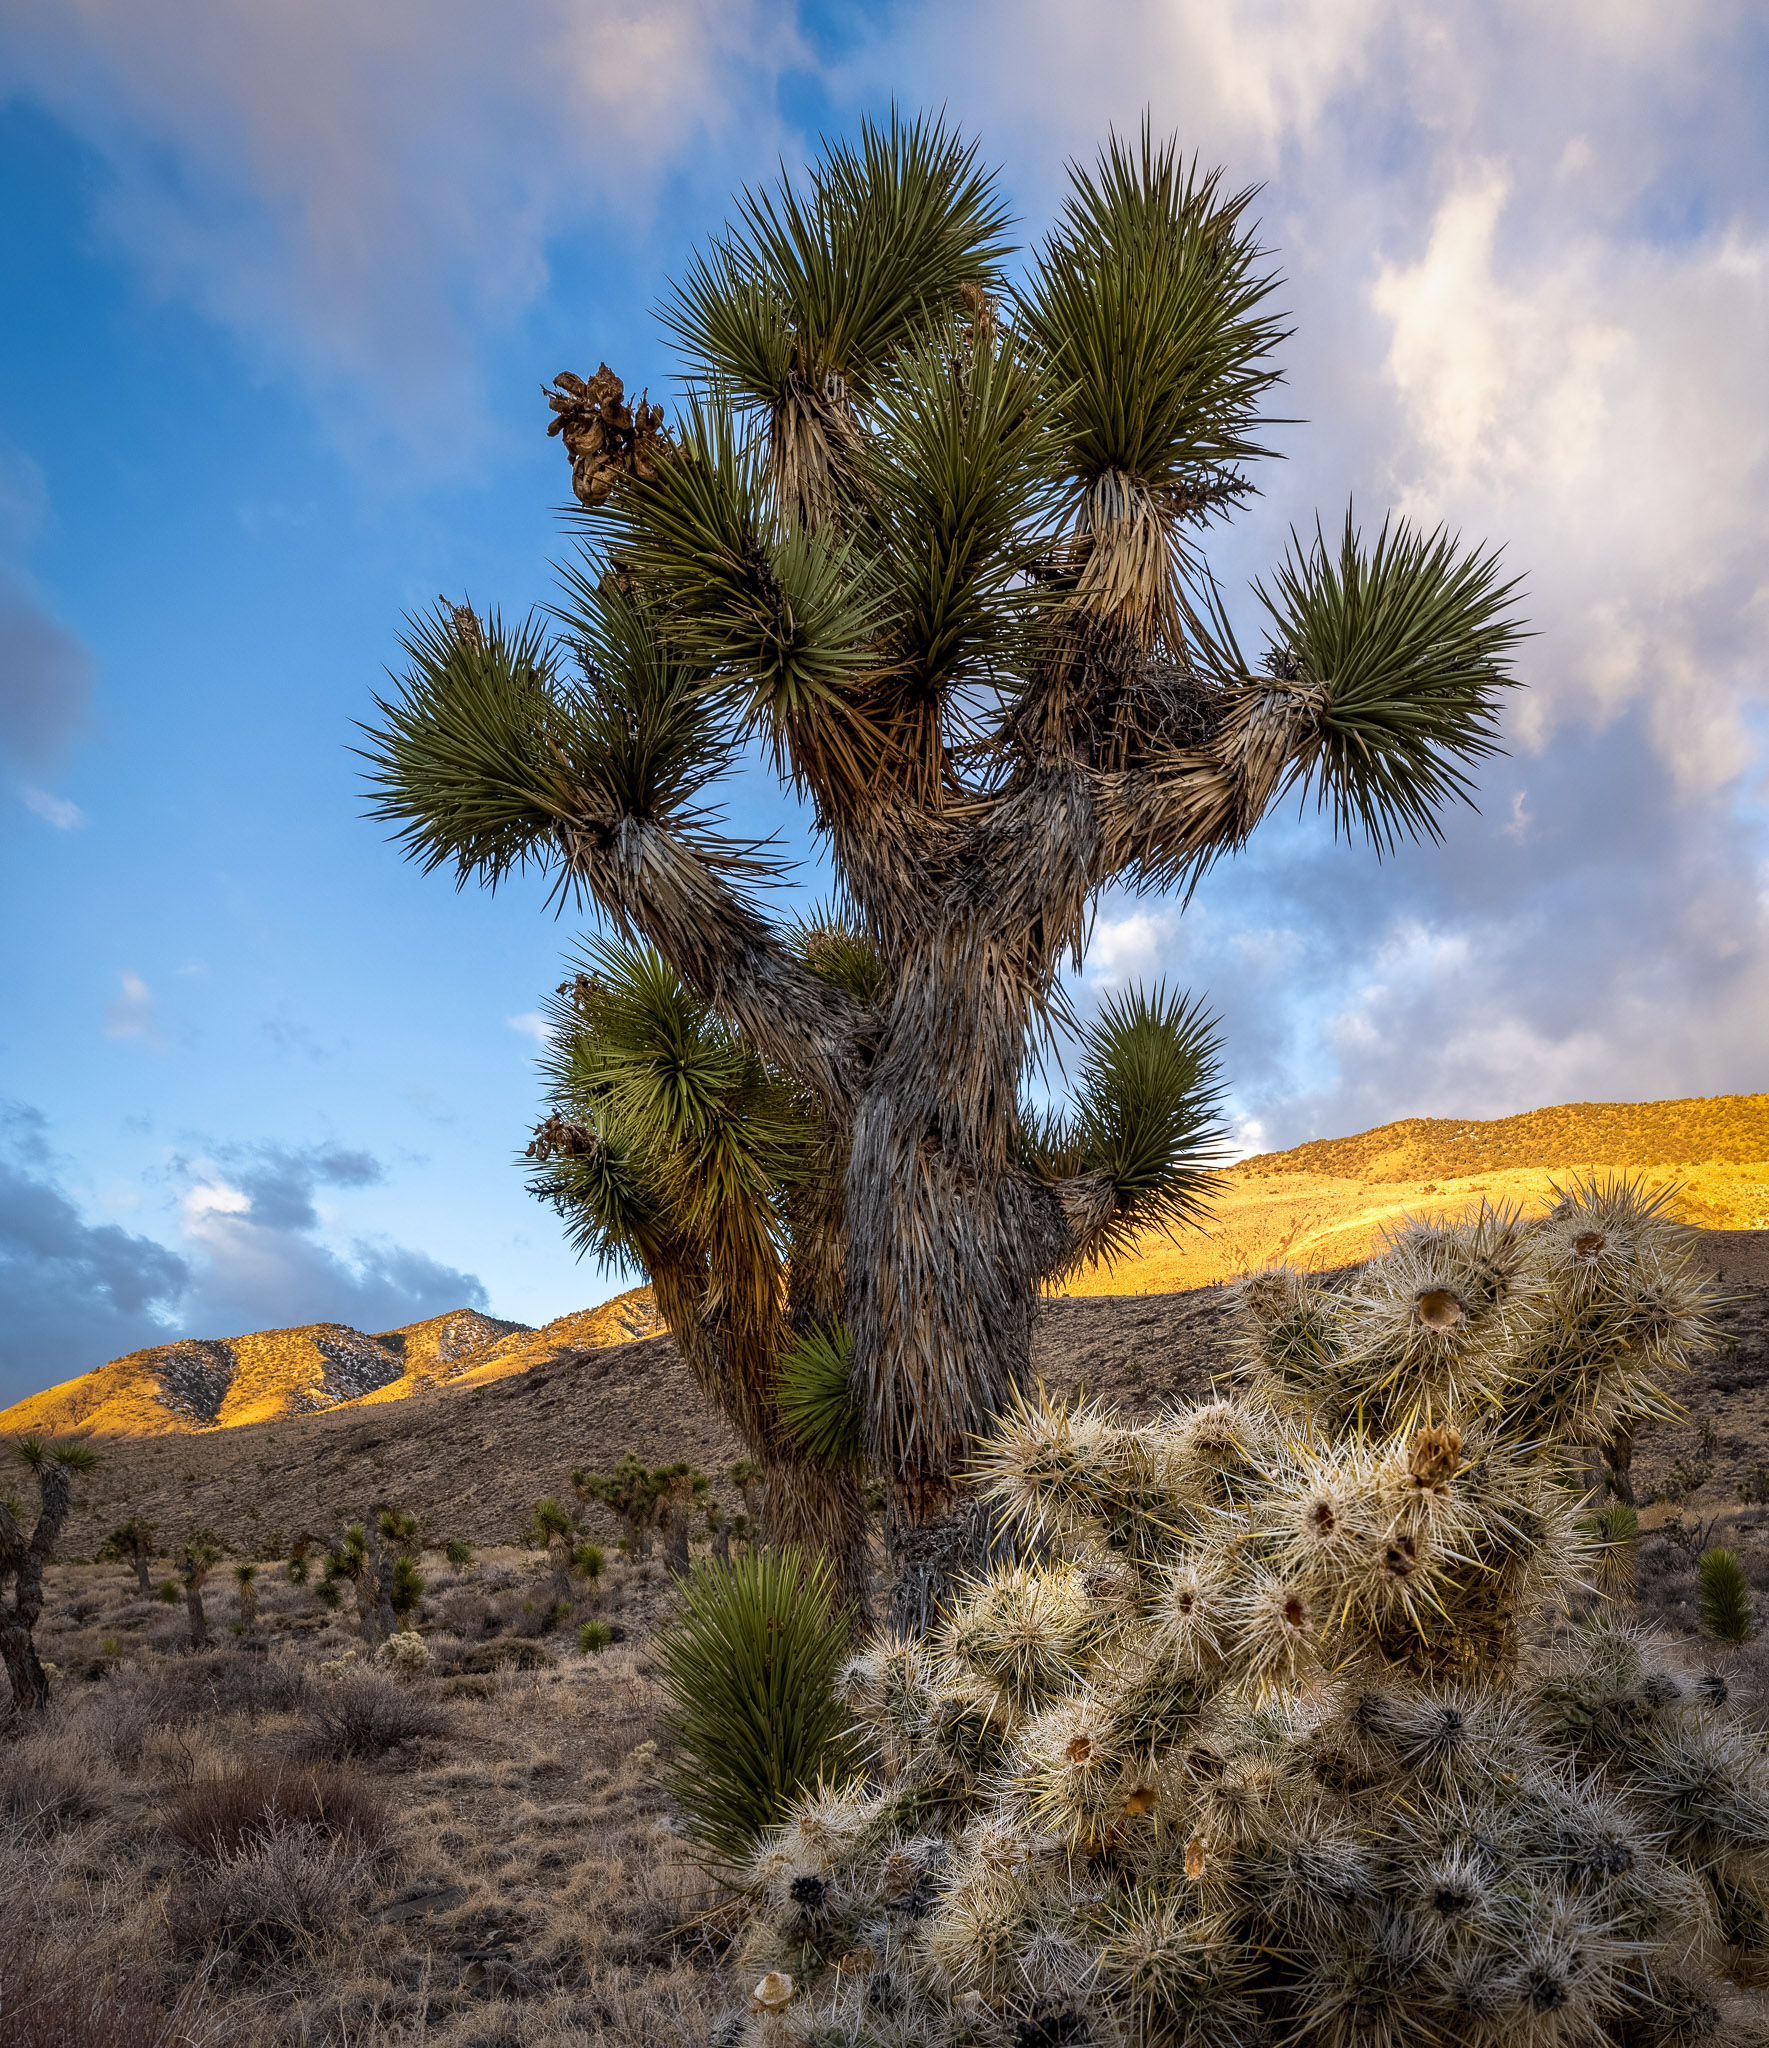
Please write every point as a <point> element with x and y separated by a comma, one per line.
<point>1143,1122</point>
<point>1725,1595</point>
<point>815,1398</point>
<point>749,1662</point>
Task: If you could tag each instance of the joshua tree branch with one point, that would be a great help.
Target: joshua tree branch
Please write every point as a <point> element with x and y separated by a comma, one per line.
<point>650,883</point>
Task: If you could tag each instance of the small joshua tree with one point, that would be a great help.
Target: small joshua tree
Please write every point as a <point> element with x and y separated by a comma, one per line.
<point>23,1557</point>
<point>1268,1744</point>
<point>647,1498</point>
<point>245,1576</point>
<point>553,1528</point>
<point>400,1584</point>
<point>200,1552</point>
<point>132,1543</point>
<point>350,1562</point>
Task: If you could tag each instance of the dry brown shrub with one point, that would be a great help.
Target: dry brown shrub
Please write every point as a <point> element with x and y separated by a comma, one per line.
<point>52,1997</point>
<point>365,1712</point>
<point>219,1682</point>
<point>50,1778</point>
<point>218,1817</point>
<point>288,1892</point>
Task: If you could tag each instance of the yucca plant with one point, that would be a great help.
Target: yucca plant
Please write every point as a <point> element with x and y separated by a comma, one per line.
<point>1286,1730</point>
<point>749,1663</point>
<point>197,1556</point>
<point>928,531</point>
<point>1725,1596</point>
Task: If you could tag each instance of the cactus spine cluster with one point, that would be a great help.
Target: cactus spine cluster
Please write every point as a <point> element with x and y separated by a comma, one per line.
<point>1293,1725</point>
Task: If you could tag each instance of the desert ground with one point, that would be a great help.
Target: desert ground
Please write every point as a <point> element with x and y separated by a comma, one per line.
<point>268,1841</point>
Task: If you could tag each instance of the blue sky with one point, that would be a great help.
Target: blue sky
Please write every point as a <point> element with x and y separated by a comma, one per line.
<point>278,287</point>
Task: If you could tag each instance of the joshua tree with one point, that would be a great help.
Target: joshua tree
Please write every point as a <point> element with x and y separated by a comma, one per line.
<point>23,1557</point>
<point>647,1498</point>
<point>1271,1744</point>
<point>352,1562</point>
<point>245,1576</point>
<point>930,536</point>
<point>197,1556</point>
<point>132,1543</point>
<point>399,1583</point>
<point>553,1528</point>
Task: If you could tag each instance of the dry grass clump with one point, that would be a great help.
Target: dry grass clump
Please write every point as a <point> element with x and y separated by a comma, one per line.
<point>50,1778</point>
<point>218,1817</point>
<point>288,1889</point>
<point>365,1713</point>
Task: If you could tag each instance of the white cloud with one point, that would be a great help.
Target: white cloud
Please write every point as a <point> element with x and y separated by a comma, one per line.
<point>532,1025</point>
<point>131,1015</point>
<point>54,810</point>
<point>361,192</point>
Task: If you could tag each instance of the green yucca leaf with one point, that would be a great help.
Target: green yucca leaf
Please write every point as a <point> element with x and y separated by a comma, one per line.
<point>1725,1596</point>
<point>749,1662</point>
<point>1145,1115</point>
<point>956,475</point>
<point>1408,647</point>
<point>836,279</point>
<point>784,621</point>
<point>472,760</point>
<point>1150,308</point>
<point>839,951</point>
<point>815,1398</point>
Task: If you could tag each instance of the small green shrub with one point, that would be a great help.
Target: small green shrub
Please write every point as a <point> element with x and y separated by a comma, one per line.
<point>171,1592</point>
<point>749,1664</point>
<point>1725,1597</point>
<point>594,1637</point>
<point>459,1552</point>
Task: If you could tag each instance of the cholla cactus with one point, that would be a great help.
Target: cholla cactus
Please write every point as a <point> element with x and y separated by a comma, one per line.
<point>1273,1735</point>
<point>405,1652</point>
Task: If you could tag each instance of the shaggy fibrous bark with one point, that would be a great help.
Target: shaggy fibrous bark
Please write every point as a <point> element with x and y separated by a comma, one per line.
<point>23,1557</point>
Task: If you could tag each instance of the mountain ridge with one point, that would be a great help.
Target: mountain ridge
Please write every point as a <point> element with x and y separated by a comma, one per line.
<point>1325,1202</point>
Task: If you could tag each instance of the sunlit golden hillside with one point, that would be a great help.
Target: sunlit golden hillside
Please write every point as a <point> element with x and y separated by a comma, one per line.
<point>1328,1203</point>
<point>201,1384</point>
<point>1322,1204</point>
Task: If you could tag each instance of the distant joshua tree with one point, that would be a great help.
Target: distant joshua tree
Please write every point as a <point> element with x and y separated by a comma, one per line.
<point>929,534</point>
<point>22,1558</point>
<point>132,1543</point>
<point>245,1577</point>
<point>197,1556</point>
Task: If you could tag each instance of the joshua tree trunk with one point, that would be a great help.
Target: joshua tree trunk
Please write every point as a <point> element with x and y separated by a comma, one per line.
<point>22,1560</point>
<point>143,1576</point>
<point>675,1554</point>
<point>559,1561</point>
<point>380,1577</point>
<point>1618,1456</point>
<point>30,1683</point>
<point>368,1608</point>
<point>248,1605</point>
<point>199,1621</point>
